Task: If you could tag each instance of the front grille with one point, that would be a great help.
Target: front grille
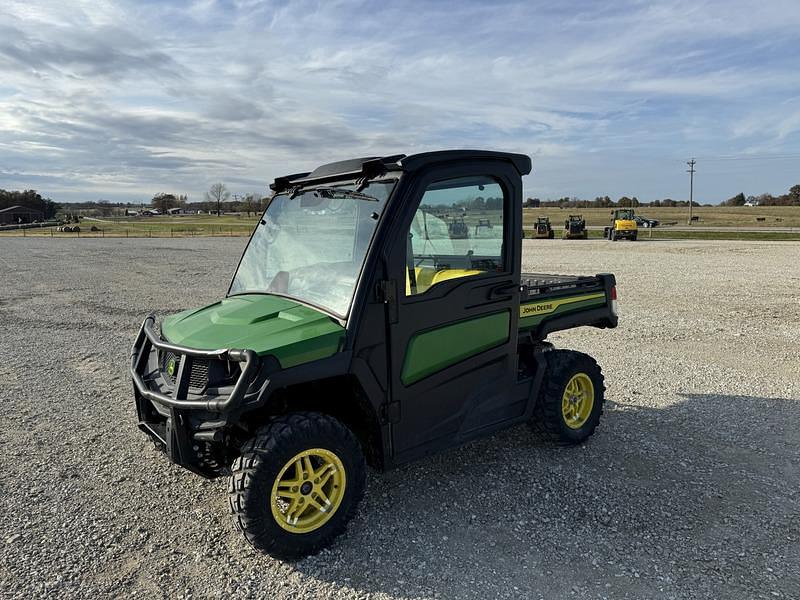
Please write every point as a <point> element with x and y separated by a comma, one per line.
<point>198,376</point>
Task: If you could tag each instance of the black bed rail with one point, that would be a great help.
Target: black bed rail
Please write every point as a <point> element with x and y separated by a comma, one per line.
<point>536,284</point>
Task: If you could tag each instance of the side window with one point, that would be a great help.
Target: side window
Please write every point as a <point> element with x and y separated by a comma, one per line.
<point>457,231</point>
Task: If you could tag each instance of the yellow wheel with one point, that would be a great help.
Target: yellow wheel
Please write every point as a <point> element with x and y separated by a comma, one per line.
<point>570,401</point>
<point>308,490</point>
<point>296,484</point>
<point>577,401</point>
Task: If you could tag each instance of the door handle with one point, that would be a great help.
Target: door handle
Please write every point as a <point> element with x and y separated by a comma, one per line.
<point>503,292</point>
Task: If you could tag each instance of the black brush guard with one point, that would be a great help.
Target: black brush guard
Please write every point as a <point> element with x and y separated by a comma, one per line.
<point>173,431</point>
<point>140,353</point>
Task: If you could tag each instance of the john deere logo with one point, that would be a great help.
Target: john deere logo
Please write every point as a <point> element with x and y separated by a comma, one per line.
<point>171,367</point>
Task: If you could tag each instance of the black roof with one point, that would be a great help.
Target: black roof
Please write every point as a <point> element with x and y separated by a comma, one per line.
<point>374,166</point>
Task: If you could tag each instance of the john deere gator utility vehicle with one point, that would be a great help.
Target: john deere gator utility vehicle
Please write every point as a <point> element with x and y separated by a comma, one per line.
<point>360,328</point>
<point>542,230</point>
<point>623,225</point>
<point>575,228</point>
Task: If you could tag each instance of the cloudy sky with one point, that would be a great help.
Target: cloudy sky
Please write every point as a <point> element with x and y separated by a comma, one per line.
<point>121,100</point>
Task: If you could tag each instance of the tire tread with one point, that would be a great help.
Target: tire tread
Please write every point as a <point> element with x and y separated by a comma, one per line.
<point>547,419</point>
<point>260,452</point>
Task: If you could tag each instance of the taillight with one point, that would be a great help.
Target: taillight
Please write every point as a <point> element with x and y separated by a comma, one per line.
<point>614,301</point>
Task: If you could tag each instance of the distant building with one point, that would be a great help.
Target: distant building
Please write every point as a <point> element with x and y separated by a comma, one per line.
<point>15,215</point>
<point>752,202</point>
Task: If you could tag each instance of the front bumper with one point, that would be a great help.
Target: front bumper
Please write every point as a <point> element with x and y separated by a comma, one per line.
<point>188,424</point>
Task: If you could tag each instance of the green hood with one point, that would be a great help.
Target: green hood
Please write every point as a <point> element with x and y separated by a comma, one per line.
<point>286,329</point>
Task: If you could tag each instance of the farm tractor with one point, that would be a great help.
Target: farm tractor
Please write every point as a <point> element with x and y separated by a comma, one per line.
<point>623,225</point>
<point>542,229</point>
<point>575,228</point>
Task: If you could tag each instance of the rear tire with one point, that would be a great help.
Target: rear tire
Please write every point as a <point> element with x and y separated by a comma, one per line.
<point>558,418</point>
<point>266,468</point>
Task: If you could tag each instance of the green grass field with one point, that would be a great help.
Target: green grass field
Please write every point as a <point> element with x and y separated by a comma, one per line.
<point>183,226</point>
<point>232,226</point>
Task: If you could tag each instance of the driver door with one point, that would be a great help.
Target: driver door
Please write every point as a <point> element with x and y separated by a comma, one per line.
<point>454,342</point>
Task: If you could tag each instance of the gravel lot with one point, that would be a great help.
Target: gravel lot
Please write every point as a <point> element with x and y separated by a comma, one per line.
<point>689,489</point>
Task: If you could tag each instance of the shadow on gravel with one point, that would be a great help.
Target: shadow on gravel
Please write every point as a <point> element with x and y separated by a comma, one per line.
<point>694,498</point>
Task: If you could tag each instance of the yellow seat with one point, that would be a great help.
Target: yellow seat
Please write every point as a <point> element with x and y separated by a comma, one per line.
<point>427,277</point>
<point>447,274</point>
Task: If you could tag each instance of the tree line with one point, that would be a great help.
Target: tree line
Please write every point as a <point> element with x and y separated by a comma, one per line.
<point>604,202</point>
<point>218,200</point>
<point>29,199</point>
<point>792,198</point>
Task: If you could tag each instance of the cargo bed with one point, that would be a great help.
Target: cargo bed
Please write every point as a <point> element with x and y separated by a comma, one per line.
<point>536,284</point>
<point>554,302</point>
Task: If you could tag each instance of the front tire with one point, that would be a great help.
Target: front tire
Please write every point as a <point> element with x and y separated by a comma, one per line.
<point>297,484</point>
<point>570,403</point>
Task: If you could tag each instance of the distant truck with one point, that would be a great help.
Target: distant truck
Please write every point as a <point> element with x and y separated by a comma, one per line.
<point>623,225</point>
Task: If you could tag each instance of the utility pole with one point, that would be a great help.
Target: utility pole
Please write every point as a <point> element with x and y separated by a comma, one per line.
<point>690,170</point>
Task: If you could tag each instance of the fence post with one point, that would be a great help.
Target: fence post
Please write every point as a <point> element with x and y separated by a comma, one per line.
<point>102,233</point>
<point>23,232</point>
<point>126,233</point>
<point>51,232</point>
<point>170,232</point>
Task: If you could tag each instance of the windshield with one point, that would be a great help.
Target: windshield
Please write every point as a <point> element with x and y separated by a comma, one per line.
<point>310,245</point>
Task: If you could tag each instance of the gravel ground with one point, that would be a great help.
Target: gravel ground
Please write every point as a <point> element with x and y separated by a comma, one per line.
<point>689,489</point>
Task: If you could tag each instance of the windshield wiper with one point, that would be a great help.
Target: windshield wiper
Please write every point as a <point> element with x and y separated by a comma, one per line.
<point>332,192</point>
